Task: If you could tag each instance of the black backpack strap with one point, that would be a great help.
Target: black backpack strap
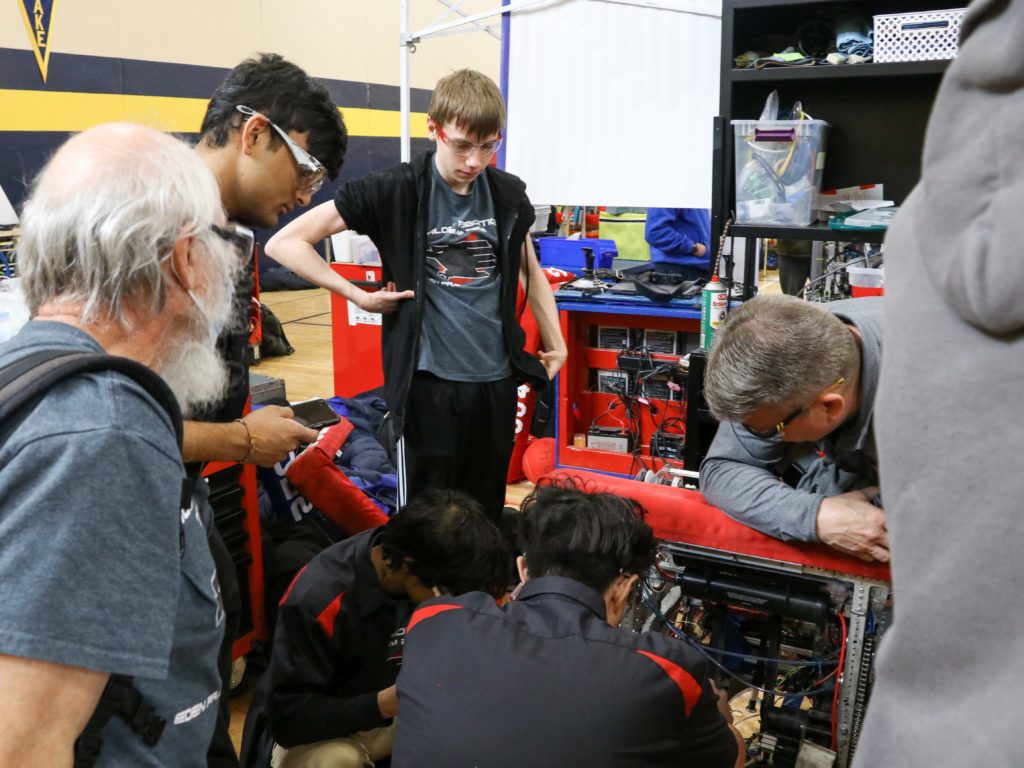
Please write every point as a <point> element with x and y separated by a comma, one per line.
<point>123,699</point>
<point>29,378</point>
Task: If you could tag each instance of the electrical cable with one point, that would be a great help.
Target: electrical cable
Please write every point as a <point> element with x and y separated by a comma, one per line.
<point>705,651</point>
<point>842,660</point>
<point>608,412</point>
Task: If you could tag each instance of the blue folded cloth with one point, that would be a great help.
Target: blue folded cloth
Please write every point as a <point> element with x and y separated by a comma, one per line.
<point>855,37</point>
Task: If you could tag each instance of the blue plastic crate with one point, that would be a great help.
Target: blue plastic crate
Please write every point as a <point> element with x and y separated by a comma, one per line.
<point>568,254</point>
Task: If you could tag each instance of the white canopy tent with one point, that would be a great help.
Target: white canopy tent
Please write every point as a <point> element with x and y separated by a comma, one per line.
<point>610,101</point>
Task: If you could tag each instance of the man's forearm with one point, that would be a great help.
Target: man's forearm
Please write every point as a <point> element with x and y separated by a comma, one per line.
<point>759,499</point>
<point>293,248</point>
<point>302,259</point>
<point>214,442</point>
<point>265,437</point>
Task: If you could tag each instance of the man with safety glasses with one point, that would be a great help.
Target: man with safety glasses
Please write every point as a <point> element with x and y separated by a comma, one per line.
<point>453,236</point>
<point>271,135</point>
<point>793,385</point>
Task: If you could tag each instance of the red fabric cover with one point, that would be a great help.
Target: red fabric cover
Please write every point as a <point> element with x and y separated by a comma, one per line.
<point>539,458</point>
<point>527,397</point>
<point>313,473</point>
<point>677,514</point>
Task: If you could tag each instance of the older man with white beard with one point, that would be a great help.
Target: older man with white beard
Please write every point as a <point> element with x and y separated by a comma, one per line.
<point>104,574</point>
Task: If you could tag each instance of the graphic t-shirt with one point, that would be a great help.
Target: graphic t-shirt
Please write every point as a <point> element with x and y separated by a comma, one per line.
<point>462,337</point>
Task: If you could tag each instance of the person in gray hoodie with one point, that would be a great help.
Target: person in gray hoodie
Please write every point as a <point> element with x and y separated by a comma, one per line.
<point>793,385</point>
<point>949,438</point>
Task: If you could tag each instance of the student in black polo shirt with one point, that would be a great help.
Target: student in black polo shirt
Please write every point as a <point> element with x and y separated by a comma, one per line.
<point>550,679</point>
<point>328,696</point>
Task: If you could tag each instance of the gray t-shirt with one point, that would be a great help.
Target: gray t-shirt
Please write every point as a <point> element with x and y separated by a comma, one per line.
<point>461,338</point>
<point>100,567</point>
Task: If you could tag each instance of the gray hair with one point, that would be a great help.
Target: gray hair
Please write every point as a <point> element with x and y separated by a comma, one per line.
<point>776,350</point>
<point>104,214</point>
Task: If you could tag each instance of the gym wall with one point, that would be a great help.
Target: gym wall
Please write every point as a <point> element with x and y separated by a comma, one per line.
<point>157,63</point>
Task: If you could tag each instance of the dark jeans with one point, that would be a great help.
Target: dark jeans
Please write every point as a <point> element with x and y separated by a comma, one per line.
<point>460,435</point>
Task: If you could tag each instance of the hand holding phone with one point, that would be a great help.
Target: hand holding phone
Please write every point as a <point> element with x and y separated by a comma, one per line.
<point>315,413</point>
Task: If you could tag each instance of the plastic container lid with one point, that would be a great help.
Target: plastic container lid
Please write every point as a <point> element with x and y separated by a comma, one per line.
<point>866,277</point>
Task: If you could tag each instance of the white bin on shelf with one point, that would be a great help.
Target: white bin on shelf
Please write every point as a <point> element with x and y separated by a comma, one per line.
<point>922,36</point>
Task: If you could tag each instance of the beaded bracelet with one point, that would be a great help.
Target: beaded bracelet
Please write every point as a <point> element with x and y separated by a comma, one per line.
<point>249,437</point>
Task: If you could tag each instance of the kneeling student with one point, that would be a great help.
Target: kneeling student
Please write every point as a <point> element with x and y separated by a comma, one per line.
<point>550,679</point>
<point>328,696</point>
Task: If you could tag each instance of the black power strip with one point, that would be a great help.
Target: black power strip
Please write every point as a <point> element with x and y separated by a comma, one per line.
<point>666,445</point>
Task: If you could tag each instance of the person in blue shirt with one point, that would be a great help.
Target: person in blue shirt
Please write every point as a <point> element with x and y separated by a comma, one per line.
<point>679,241</point>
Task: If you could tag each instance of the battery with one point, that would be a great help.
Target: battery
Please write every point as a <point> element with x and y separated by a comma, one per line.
<point>608,439</point>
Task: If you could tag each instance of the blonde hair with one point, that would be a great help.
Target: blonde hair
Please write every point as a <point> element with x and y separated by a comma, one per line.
<point>471,101</point>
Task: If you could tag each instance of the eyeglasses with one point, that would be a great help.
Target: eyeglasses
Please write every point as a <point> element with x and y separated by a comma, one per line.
<point>775,433</point>
<point>311,170</point>
<point>240,238</point>
<point>462,147</point>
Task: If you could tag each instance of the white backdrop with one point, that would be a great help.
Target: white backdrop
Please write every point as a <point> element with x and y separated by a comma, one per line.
<point>612,104</point>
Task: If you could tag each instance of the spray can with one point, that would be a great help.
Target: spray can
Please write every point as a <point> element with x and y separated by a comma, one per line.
<point>712,310</point>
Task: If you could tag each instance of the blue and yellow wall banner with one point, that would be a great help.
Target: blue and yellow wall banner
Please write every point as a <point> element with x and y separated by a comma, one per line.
<point>82,91</point>
<point>38,15</point>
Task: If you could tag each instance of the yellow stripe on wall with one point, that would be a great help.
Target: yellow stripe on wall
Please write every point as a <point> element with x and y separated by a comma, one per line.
<point>60,112</point>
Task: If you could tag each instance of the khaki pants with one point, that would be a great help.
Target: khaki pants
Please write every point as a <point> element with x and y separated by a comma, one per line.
<point>357,751</point>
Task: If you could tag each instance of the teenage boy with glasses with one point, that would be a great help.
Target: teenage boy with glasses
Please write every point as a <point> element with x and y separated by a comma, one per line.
<point>453,236</point>
<point>793,385</point>
<point>270,135</point>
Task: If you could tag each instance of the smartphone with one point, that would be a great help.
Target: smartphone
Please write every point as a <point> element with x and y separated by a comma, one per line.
<point>315,413</point>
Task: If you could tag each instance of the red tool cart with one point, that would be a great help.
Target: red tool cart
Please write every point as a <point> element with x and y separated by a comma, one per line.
<point>621,405</point>
<point>355,335</point>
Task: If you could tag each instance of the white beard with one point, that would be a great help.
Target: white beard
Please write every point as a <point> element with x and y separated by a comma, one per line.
<point>196,374</point>
<point>194,369</point>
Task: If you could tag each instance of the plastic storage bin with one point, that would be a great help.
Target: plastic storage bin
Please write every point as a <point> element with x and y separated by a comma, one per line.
<point>866,281</point>
<point>541,215</point>
<point>778,170</point>
<point>568,254</point>
<point>923,36</point>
